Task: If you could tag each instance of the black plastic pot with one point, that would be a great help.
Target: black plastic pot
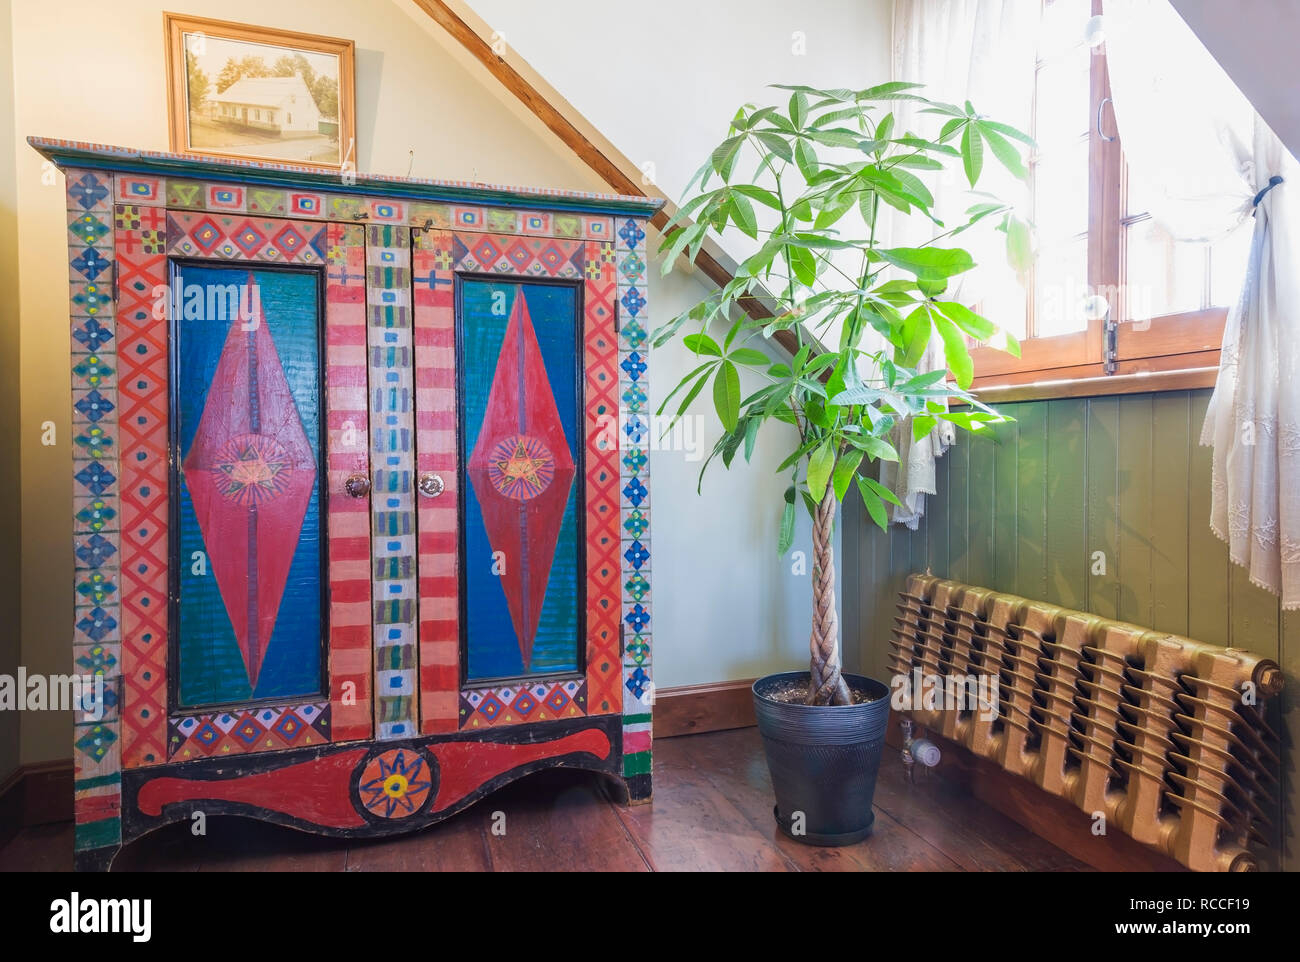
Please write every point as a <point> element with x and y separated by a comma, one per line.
<point>823,759</point>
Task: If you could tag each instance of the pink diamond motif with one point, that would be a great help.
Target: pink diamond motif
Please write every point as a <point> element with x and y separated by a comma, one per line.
<point>249,239</point>
<point>289,240</point>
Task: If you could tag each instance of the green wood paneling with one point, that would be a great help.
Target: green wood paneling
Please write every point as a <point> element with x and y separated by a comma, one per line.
<point>1064,546</point>
<point>1208,565</point>
<point>1031,500</point>
<point>1102,523</point>
<point>1171,451</point>
<point>1006,491</point>
<point>936,518</point>
<point>1133,530</point>
<point>979,508</point>
<point>958,458</point>
<point>1023,508</point>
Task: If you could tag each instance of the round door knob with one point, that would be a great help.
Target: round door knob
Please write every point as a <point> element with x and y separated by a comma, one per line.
<point>358,486</point>
<point>431,484</point>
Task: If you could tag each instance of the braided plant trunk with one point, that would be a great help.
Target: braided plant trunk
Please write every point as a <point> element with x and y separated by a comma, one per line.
<point>826,686</point>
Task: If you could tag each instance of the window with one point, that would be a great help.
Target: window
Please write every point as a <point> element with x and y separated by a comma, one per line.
<point>1166,300</point>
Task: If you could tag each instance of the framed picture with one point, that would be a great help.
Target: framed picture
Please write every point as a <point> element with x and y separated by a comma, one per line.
<point>235,90</point>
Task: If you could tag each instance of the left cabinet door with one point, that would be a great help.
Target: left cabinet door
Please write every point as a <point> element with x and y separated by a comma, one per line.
<point>246,554</point>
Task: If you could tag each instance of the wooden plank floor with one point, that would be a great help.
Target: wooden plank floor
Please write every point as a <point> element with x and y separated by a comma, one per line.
<point>712,811</point>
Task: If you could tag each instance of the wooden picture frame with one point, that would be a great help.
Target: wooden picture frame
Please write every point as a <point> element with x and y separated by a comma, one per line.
<point>275,111</point>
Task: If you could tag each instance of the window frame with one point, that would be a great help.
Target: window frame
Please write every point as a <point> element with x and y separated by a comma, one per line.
<point>1169,342</point>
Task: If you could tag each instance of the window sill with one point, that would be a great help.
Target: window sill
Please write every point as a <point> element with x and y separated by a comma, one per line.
<point>1142,382</point>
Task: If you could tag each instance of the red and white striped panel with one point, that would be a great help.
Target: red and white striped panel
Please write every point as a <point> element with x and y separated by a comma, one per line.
<point>348,447</point>
<point>435,447</point>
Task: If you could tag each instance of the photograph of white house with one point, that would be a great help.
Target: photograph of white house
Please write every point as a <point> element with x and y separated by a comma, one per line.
<point>260,100</point>
<point>277,105</point>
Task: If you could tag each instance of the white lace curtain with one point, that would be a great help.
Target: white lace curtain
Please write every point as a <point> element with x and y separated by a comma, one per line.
<point>982,51</point>
<point>1209,163</point>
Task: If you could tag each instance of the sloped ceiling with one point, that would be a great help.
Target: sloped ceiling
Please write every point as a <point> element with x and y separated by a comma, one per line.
<point>1256,42</point>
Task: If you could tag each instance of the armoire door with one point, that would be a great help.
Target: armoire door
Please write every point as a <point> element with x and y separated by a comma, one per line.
<point>520,420</point>
<point>247,626</point>
<point>517,460</point>
<point>248,517</point>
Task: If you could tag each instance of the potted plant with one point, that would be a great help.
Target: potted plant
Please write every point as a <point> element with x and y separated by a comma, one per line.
<point>828,163</point>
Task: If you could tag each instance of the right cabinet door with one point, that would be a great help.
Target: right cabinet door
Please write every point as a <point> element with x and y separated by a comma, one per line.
<point>517,445</point>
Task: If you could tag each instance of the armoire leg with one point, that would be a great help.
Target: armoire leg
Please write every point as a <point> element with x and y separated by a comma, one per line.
<point>639,788</point>
<point>95,859</point>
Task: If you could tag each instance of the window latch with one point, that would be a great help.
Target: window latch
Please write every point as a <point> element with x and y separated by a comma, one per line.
<point>1112,346</point>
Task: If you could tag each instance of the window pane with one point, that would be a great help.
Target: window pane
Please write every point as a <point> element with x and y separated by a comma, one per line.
<point>1005,305</point>
<point>1060,288</point>
<point>1063,23</point>
<point>1063,100</point>
<point>1164,275</point>
<point>1228,265</point>
<point>1061,193</point>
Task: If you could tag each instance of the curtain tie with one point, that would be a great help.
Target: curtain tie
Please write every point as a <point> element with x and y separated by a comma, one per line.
<point>1272,182</point>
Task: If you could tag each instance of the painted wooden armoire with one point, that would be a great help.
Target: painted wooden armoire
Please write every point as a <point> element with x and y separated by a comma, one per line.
<point>361,509</point>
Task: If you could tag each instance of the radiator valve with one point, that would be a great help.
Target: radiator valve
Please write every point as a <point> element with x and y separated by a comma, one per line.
<point>917,750</point>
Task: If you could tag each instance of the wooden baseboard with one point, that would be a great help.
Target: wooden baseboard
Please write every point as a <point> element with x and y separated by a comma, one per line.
<point>1047,816</point>
<point>713,707</point>
<point>35,795</point>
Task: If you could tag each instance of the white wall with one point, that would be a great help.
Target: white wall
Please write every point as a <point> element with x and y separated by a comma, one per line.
<point>724,607</point>
<point>678,69</point>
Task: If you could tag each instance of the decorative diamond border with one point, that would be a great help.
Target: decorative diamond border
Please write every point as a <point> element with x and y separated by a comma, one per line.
<point>140,242</point>
<point>183,193</point>
<point>634,495</point>
<point>96,469</point>
<point>248,730</point>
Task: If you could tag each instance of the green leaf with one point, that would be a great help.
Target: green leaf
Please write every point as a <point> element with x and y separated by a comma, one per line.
<point>747,355</point>
<point>980,328</point>
<point>1020,245</point>
<point>885,127</point>
<point>887,91</point>
<point>873,504</point>
<point>954,350</point>
<point>799,109</point>
<point>1006,130</point>
<point>742,215</point>
<point>760,194</point>
<point>820,464</point>
<point>878,449</point>
<point>929,262</point>
<point>804,264</point>
<point>786,538</point>
<point>724,155</point>
<point>881,491</point>
<point>844,471</point>
<point>915,335</point>
<point>751,435</point>
<point>726,394</point>
<point>1007,155</point>
<point>921,426</point>
<point>775,144</point>
<point>806,158</point>
<point>972,153</point>
<point>702,344</point>
<point>677,244</point>
<point>691,395</point>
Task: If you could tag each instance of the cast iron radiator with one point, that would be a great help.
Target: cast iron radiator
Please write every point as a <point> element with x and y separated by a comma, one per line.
<point>1163,735</point>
